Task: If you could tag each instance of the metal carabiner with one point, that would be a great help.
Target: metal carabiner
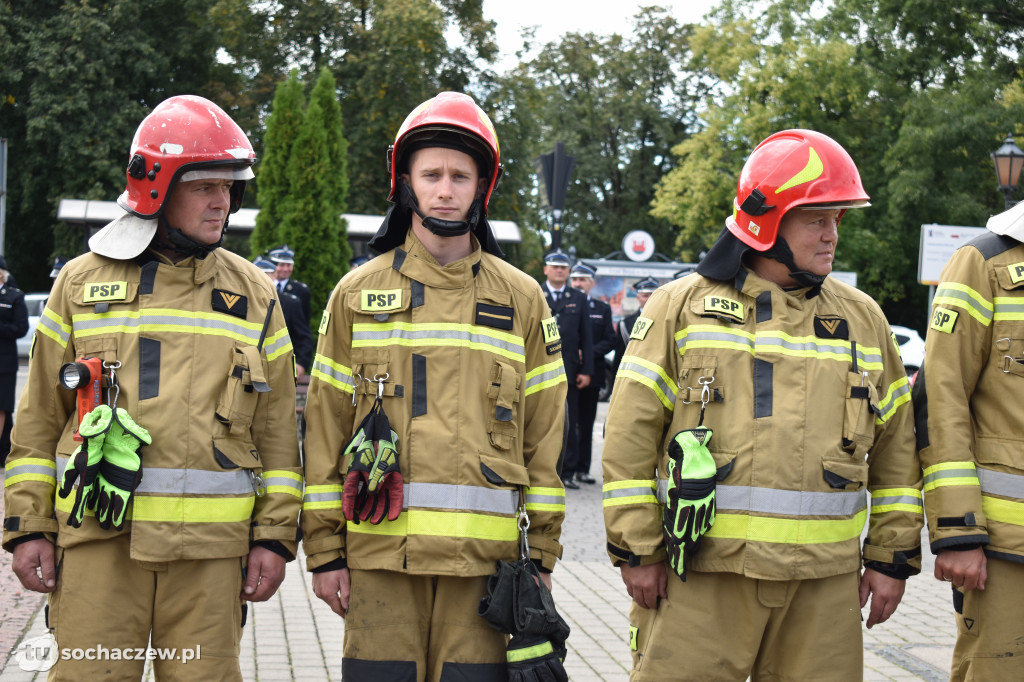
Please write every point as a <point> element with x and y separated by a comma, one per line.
<point>705,392</point>
<point>113,389</point>
<point>523,523</point>
<point>380,384</point>
<point>359,380</point>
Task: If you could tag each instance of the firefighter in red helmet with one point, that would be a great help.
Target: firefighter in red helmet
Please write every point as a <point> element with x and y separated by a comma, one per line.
<point>769,400</point>
<point>177,482</point>
<point>434,421</point>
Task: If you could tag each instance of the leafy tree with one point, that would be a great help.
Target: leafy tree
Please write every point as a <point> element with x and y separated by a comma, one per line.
<point>909,89</point>
<point>78,77</point>
<point>274,183</point>
<point>618,104</point>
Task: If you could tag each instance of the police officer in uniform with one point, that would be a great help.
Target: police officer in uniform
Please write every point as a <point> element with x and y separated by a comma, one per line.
<point>600,313</point>
<point>294,319</point>
<point>284,258</point>
<point>13,326</point>
<point>643,288</point>
<point>569,307</point>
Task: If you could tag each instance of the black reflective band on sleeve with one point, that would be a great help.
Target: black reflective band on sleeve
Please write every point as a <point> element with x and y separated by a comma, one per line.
<point>419,385</point>
<point>763,390</point>
<point>763,307</point>
<point>149,368</point>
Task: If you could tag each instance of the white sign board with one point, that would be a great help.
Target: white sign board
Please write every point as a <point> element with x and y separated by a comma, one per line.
<point>938,242</point>
<point>638,245</point>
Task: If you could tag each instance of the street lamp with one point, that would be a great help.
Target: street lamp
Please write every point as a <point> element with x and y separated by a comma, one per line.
<point>1008,159</point>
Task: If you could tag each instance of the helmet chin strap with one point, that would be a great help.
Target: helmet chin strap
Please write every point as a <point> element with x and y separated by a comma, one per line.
<point>781,252</point>
<point>180,243</point>
<point>442,228</point>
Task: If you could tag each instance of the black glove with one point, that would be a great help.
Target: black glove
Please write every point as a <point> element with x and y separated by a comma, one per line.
<point>535,659</point>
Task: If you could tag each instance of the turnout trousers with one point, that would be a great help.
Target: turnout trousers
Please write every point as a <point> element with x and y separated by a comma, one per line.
<point>990,627</point>
<point>107,601</point>
<point>725,627</point>
<point>419,628</point>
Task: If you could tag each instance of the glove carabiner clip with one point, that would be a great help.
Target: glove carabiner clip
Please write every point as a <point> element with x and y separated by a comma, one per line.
<point>359,380</point>
<point>113,389</point>
<point>524,525</point>
<point>705,396</point>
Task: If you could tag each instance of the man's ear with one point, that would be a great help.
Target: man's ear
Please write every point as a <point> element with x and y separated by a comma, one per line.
<point>481,187</point>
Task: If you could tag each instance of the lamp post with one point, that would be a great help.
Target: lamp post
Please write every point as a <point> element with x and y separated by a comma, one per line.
<point>1008,160</point>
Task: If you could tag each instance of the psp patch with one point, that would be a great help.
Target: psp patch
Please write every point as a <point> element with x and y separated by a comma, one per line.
<point>95,292</point>
<point>1016,272</point>
<point>230,303</point>
<point>549,328</point>
<point>944,320</point>
<point>324,322</point>
<point>633,630</point>
<point>719,306</point>
<point>499,317</point>
<point>831,328</point>
<point>378,301</point>
<point>640,328</point>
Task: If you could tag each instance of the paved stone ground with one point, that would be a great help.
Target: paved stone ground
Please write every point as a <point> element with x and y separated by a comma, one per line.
<point>297,637</point>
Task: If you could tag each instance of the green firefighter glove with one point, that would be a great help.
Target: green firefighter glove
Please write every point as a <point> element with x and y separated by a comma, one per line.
<point>690,503</point>
<point>85,463</point>
<point>120,471</point>
<point>535,659</point>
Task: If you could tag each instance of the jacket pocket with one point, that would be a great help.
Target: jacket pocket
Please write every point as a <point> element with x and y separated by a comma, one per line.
<point>237,403</point>
<point>371,367</point>
<point>237,454</point>
<point>503,405</point>
<point>861,407</point>
<point>846,475</point>
<point>503,472</point>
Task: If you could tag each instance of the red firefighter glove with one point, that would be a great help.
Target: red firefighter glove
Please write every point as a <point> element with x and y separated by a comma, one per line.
<point>373,486</point>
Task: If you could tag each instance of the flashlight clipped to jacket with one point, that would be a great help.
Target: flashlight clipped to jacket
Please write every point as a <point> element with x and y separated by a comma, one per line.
<point>85,377</point>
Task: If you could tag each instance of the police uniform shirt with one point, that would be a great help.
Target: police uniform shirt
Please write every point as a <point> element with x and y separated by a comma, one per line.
<point>296,288</point>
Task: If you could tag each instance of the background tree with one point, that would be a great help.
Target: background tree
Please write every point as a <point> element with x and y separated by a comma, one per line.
<point>913,100</point>
<point>311,209</point>
<point>273,182</point>
<point>618,104</point>
<point>78,77</point>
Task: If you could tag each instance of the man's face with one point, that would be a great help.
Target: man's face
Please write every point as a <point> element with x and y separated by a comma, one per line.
<point>642,296</point>
<point>584,284</point>
<point>812,236</point>
<point>199,208</point>
<point>445,182</point>
<point>557,275</point>
<point>283,271</point>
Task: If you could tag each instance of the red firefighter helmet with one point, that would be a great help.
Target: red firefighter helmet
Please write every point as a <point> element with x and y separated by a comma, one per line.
<point>184,138</point>
<point>787,170</point>
<point>451,119</point>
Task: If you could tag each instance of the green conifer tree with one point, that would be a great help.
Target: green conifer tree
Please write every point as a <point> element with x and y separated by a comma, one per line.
<point>273,181</point>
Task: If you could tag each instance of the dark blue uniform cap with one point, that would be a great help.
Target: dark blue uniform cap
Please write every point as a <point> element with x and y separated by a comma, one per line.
<point>557,258</point>
<point>646,286</point>
<point>264,264</point>
<point>282,254</point>
<point>357,260</point>
<point>582,270</point>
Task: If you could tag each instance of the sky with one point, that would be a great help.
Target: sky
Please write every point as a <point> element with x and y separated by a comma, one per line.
<point>556,17</point>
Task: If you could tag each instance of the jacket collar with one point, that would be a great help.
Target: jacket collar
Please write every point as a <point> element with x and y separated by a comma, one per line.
<point>414,261</point>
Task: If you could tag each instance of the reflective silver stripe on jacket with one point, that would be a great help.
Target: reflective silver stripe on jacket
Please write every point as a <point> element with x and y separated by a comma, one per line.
<point>1000,483</point>
<point>460,498</point>
<point>785,502</point>
<point>188,481</point>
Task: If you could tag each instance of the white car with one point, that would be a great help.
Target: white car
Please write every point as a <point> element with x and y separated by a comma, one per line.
<point>911,347</point>
<point>34,301</point>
